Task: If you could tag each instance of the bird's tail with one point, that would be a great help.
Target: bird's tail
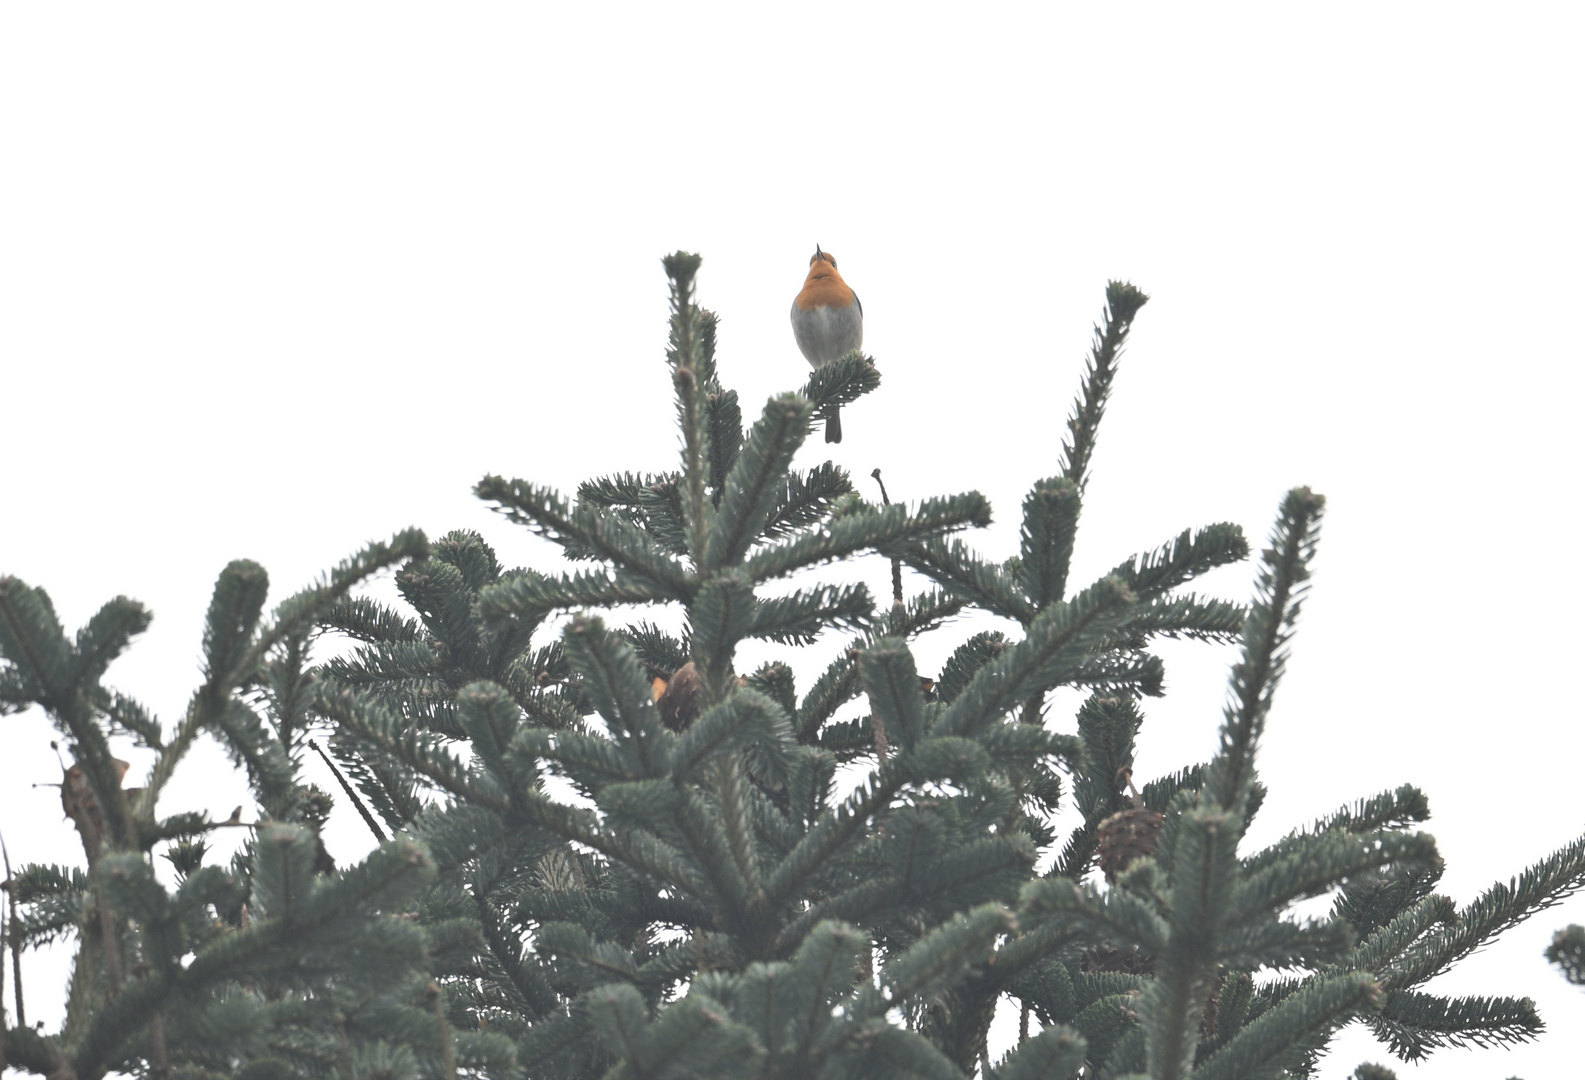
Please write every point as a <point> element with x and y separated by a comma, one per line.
<point>834,424</point>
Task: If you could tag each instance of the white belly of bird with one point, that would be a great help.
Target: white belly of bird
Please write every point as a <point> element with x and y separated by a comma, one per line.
<point>827,334</point>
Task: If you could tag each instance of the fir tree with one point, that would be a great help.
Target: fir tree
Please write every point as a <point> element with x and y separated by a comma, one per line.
<point>624,857</point>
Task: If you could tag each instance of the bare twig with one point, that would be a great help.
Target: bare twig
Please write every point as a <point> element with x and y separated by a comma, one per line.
<point>897,564</point>
<point>368,818</point>
<point>13,936</point>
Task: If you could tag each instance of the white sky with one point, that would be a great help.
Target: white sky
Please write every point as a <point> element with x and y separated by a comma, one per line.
<point>276,282</point>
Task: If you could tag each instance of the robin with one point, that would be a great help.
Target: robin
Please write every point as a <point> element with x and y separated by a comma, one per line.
<point>828,323</point>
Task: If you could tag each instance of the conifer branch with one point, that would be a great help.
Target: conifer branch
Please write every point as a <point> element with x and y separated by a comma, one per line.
<point>1051,523</point>
<point>32,640</point>
<point>171,755</point>
<point>1284,575</point>
<point>931,879</point>
<point>1567,951</point>
<point>1204,863</point>
<point>966,661</point>
<point>945,951</point>
<point>587,531</point>
<point>952,565</point>
<point>835,687</point>
<point>1052,652</point>
<point>831,832</point>
<point>621,695</point>
<point>130,715</point>
<point>732,797</point>
<point>26,1049</point>
<point>659,652</point>
<point>1502,906</point>
<point>1010,745</point>
<point>704,837</point>
<point>1396,809</point>
<point>551,1038</point>
<point>1266,941</point>
<point>622,490</point>
<point>234,649</point>
<point>1025,950</point>
<point>724,421</point>
<point>1282,1034</point>
<point>365,620</point>
<point>106,636</point>
<point>242,733</point>
<point>805,499</point>
<point>892,681</point>
<point>758,479</point>
<point>1414,1024</point>
<point>721,616</point>
<point>1390,941</point>
<point>372,723</point>
<point>1133,673</point>
<point>391,874</point>
<point>839,383</point>
<point>799,618</point>
<point>1313,866</point>
<point>746,718</point>
<point>691,371</point>
<point>892,525</point>
<point>1117,916</point>
<point>1190,554</point>
<point>1123,302</point>
<point>644,854</point>
<point>822,971</point>
<point>1058,1051</point>
<point>298,614</point>
<point>1183,616</point>
<point>839,683</point>
<point>532,596</point>
<point>592,762</point>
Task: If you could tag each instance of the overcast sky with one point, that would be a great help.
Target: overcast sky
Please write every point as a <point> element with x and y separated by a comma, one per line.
<point>277,282</point>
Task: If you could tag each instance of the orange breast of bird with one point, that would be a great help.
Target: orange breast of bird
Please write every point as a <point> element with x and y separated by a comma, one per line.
<point>824,287</point>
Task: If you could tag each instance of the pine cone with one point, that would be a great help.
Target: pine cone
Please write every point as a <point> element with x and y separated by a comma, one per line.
<point>1126,837</point>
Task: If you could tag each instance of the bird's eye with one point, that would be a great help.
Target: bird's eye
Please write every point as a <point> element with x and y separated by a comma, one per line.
<point>832,261</point>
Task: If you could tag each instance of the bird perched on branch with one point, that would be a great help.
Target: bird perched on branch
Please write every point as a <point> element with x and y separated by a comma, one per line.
<point>828,323</point>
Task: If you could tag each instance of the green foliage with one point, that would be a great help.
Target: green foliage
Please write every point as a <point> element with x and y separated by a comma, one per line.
<point>739,880</point>
<point>1567,951</point>
<point>276,966</point>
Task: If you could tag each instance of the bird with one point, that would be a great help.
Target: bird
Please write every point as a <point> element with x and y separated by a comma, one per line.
<point>828,323</point>
<point>679,698</point>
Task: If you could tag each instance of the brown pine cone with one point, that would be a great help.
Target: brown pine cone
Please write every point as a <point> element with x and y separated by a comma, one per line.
<point>1126,837</point>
